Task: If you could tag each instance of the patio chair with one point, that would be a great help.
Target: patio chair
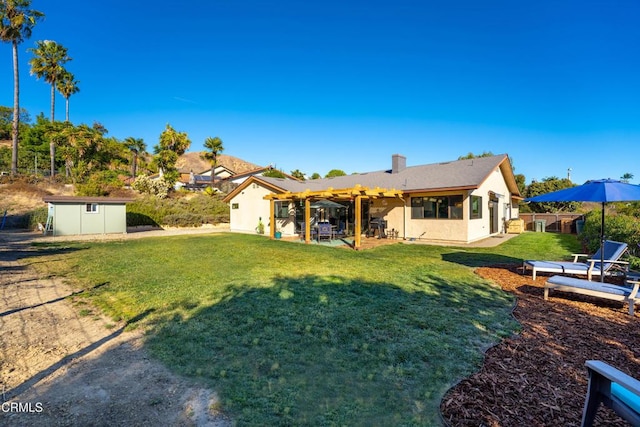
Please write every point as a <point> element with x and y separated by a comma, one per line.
<point>324,231</point>
<point>614,389</point>
<point>612,253</point>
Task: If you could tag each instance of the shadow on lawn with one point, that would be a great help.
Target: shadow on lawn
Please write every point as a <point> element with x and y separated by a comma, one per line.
<point>17,252</point>
<point>478,259</point>
<point>330,350</point>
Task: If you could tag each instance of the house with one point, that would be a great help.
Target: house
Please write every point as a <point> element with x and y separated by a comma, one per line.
<point>239,178</point>
<point>199,181</point>
<point>70,215</point>
<point>456,202</point>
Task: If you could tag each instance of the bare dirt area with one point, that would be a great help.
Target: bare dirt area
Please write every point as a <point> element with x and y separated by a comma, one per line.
<point>538,378</point>
<point>63,363</point>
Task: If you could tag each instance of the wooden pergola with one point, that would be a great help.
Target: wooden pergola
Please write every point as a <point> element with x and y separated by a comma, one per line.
<point>356,193</point>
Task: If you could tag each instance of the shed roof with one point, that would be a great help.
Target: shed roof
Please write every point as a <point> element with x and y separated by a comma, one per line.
<point>80,199</point>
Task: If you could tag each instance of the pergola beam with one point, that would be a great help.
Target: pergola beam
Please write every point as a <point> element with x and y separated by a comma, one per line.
<point>330,193</point>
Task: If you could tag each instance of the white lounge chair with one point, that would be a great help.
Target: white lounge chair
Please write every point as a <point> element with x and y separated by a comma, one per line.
<point>608,291</point>
<point>612,253</point>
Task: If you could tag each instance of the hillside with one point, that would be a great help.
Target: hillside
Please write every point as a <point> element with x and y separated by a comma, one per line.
<point>192,162</point>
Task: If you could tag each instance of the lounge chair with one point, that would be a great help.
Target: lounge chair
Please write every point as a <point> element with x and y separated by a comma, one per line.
<point>628,294</point>
<point>613,388</point>
<point>612,253</point>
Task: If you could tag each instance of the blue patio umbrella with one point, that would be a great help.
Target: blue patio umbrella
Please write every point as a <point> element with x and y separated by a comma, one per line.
<point>601,191</point>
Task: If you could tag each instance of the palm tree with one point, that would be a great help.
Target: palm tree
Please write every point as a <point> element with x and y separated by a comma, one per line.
<point>16,23</point>
<point>47,63</point>
<point>214,145</point>
<point>627,177</point>
<point>137,147</point>
<point>67,86</point>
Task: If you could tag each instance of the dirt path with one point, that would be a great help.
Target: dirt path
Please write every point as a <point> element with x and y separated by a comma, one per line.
<point>63,363</point>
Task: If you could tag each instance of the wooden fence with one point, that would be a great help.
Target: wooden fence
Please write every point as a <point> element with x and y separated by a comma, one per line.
<point>561,223</point>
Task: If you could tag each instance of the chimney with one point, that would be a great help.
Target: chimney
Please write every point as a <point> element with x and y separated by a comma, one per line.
<point>398,163</point>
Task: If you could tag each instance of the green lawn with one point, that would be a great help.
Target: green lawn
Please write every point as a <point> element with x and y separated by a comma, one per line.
<point>307,335</point>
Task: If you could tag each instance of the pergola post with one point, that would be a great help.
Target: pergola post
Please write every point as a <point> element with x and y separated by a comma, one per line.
<point>358,225</point>
<point>307,220</point>
<point>272,219</point>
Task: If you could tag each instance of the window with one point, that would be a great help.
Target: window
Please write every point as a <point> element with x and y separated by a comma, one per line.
<point>282,209</point>
<point>439,207</point>
<point>235,206</point>
<point>475,207</point>
<point>91,208</point>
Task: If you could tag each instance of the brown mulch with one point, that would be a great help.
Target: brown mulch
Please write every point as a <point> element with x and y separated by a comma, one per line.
<point>538,377</point>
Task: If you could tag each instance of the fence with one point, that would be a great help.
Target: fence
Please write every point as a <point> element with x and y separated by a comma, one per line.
<point>561,223</point>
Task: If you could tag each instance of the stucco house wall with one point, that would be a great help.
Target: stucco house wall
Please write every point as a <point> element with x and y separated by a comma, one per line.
<point>248,207</point>
<point>480,228</point>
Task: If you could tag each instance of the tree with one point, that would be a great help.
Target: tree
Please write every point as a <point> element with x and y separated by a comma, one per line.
<point>547,185</point>
<point>16,24</point>
<point>473,156</point>
<point>6,121</point>
<point>315,175</point>
<point>335,172</point>
<point>172,145</point>
<point>297,174</point>
<point>274,173</point>
<point>214,145</point>
<point>521,182</point>
<point>67,86</point>
<point>626,177</point>
<point>137,147</point>
<point>47,63</point>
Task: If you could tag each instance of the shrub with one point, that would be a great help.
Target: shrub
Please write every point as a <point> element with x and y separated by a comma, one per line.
<point>186,219</point>
<point>620,228</point>
<point>179,212</point>
<point>159,188</point>
<point>92,189</point>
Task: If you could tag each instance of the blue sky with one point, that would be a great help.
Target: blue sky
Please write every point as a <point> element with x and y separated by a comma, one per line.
<point>346,84</point>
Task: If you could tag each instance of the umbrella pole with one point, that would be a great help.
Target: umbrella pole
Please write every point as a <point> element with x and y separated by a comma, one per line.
<point>602,246</point>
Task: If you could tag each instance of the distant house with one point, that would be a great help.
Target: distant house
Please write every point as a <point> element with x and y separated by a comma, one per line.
<point>198,181</point>
<point>239,178</point>
<point>458,202</point>
<point>86,215</point>
<point>223,177</point>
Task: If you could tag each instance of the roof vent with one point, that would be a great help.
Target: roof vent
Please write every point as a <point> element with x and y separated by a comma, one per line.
<point>398,163</point>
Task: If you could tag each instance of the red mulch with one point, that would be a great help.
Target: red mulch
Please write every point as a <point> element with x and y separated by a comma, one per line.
<point>538,377</point>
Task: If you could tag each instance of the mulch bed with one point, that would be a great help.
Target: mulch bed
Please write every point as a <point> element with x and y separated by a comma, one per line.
<point>538,377</point>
